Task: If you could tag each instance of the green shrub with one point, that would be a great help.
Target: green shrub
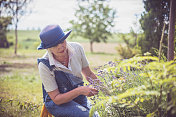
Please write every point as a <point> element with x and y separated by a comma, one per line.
<point>138,86</point>
<point>127,52</point>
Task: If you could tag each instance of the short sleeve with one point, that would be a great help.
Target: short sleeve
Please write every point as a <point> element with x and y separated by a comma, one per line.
<point>83,58</point>
<point>47,77</point>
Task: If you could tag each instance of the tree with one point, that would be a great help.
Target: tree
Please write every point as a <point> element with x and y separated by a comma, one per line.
<point>94,20</point>
<point>15,9</point>
<point>152,22</point>
<point>5,21</point>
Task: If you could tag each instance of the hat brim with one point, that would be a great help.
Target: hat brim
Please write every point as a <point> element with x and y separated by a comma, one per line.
<point>56,43</point>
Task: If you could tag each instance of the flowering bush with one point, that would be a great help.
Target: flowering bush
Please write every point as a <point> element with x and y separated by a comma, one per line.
<point>138,86</point>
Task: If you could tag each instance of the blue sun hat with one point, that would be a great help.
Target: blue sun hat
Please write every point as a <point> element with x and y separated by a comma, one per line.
<point>51,36</point>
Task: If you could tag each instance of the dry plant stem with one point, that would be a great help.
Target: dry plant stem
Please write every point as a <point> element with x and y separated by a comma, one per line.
<point>160,48</point>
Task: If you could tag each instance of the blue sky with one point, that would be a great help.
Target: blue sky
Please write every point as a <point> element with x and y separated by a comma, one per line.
<point>60,12</point>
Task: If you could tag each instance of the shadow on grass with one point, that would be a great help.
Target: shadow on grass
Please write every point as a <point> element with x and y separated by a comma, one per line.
<point>7,67</point>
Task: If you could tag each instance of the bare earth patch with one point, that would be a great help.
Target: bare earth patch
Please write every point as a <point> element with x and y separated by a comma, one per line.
<point>101,47</point>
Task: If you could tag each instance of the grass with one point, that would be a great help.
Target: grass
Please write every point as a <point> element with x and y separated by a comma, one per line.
<point>28,86</point>
<point>20,90</point>
<point>21,93</point>
<point>23,34</point>
<point>20,84</point>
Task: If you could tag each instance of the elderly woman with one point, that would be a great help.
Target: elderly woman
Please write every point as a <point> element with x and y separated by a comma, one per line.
<point>61,70</point>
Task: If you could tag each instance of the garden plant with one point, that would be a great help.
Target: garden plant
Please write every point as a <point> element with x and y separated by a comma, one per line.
<point>138,86</point>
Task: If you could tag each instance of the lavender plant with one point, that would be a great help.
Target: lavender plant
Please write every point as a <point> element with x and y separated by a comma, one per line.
<point>134,87</point>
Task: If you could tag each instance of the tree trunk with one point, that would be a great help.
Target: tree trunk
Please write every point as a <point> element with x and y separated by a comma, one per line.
<point>91,46</point>
<point>16,39</point>
<point>170,52</point>
<point>16,29</point>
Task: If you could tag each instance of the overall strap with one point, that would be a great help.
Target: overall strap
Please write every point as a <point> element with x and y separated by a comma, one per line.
<point>45,62</point>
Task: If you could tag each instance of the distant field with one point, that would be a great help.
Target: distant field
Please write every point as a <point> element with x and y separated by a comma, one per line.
<point>30,39</point>
<point>34,34</point>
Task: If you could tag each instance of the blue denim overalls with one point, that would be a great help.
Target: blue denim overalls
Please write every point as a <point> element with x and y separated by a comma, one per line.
<point>78,107</point>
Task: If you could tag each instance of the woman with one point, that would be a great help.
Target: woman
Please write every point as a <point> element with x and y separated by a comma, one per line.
<point>60,70</point>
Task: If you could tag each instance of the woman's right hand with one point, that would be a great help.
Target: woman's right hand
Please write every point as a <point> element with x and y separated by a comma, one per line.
<point>88,91</point>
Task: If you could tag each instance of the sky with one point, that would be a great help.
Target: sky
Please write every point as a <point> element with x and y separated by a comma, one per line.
<point>60,12</point>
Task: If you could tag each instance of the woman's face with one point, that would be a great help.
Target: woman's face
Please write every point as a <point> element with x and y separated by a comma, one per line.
<point>59,49</point>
